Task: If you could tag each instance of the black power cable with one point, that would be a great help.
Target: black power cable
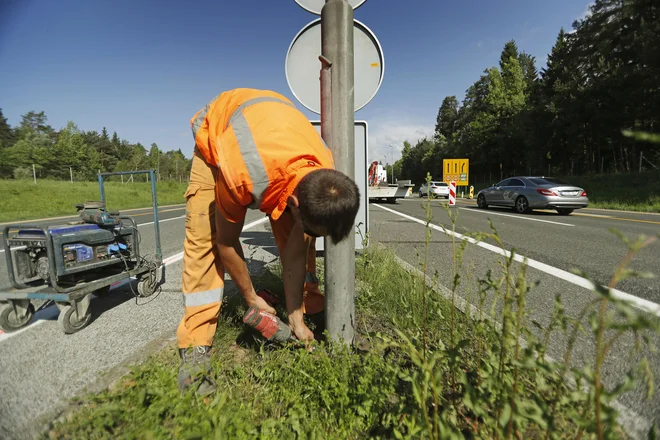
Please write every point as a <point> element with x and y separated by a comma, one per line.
<point>152,271</point>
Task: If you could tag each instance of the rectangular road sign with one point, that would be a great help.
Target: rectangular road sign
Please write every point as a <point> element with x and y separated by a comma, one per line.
<point>361,154</point>
<point>457,170</point>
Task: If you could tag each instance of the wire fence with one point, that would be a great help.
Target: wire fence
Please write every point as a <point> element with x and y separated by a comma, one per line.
<point>74,174</point>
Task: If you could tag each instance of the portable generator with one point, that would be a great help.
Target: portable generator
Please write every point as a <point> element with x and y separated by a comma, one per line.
<point>66,263</point>
<point>99,245</point>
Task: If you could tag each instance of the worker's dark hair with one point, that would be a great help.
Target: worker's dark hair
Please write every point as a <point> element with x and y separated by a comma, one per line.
<point>330,199</point>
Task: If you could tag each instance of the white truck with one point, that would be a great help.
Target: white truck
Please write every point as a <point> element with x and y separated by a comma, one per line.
<point>378,188</point>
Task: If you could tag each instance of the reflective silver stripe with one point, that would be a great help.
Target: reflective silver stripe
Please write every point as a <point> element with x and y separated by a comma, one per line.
<point>203,298</point>
<point>252,159</point>
<point>311,278</point>
<point>199,120</point>
<point>239,110</point>
<point>249,152</point>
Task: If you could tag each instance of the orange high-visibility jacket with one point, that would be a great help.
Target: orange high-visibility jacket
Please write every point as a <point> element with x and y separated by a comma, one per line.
<point>262,145</point>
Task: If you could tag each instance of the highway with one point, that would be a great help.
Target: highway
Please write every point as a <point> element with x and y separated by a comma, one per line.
<point>582,240</point>
<point>42,367</point>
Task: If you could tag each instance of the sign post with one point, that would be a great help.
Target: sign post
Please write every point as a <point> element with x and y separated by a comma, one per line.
<point>337,47</point>
<point>315,6</point>
<point>351,72</point>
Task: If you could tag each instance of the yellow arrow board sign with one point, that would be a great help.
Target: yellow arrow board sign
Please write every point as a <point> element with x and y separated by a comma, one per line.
<point>457,170</point>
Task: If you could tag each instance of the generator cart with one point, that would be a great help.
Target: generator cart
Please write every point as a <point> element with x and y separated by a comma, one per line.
<point>66,263</point>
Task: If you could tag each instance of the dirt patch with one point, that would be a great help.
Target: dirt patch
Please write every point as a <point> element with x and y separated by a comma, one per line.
<point>238,353</point>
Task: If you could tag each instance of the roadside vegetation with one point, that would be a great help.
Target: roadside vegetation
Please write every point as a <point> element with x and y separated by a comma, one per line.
<point>36,150</point>
<point>420,368</point>
<point>626,191</point>
<point>23,200</point>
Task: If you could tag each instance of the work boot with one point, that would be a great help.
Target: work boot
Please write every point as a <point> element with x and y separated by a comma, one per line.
<point>195,369</point>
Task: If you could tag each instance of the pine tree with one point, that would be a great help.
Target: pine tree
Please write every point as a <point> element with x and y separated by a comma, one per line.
<point>447,117</point>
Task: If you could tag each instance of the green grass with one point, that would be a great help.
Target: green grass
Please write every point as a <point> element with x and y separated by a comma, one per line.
<point>285,393</point>
<point>628,192</point>
<point>23,200</point>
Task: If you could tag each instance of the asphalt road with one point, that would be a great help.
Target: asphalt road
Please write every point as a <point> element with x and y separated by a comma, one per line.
<point>581,241</point>
<point>554,245</point>
<point>42,367</point>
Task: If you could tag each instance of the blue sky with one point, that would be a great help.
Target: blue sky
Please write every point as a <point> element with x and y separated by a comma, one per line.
<point>143,68</point>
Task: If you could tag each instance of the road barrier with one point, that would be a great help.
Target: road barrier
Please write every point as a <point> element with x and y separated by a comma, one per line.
<point>452,193</point>
<point>471,192</point>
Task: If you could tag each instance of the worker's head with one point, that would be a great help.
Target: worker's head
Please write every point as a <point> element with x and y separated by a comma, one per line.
<point>327,202</point>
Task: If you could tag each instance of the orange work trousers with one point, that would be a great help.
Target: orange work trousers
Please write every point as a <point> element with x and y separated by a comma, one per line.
<point>203,272</point>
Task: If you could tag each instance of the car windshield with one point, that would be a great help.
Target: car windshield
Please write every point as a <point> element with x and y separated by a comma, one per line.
<point>439,184</point>
<point>548,181</point>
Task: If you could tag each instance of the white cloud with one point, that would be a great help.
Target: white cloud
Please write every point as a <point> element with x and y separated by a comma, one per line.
<point>587,11</point>
<point>386,132</point>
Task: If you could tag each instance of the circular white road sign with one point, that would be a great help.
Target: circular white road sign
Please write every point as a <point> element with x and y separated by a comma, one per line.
<point>303,67</point>
<point>315,6</point>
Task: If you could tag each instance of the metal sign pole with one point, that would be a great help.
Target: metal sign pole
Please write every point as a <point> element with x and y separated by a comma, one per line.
<point>337,36</point>
<point>326,100</point>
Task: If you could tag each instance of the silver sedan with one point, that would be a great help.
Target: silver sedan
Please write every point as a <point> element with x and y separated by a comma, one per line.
<point>527,193</point>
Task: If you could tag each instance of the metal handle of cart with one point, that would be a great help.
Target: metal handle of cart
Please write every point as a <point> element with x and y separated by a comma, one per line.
<point>154,200</point>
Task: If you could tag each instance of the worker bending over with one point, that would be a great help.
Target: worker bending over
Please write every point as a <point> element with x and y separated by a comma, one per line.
<point>254,149</point>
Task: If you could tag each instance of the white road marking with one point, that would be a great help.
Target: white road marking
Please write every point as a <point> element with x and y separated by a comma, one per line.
<point>639,303</point>
<point>52,311</point>
<point>180,205</point>
<point>621,210</point>
<point>178,257</point>
<point>162,221</point>
<point>516,216</point>
<point>592,215</point>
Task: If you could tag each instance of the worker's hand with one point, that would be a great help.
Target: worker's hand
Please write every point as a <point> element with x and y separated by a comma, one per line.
<point>302,332</point>
<point>261,304</point>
